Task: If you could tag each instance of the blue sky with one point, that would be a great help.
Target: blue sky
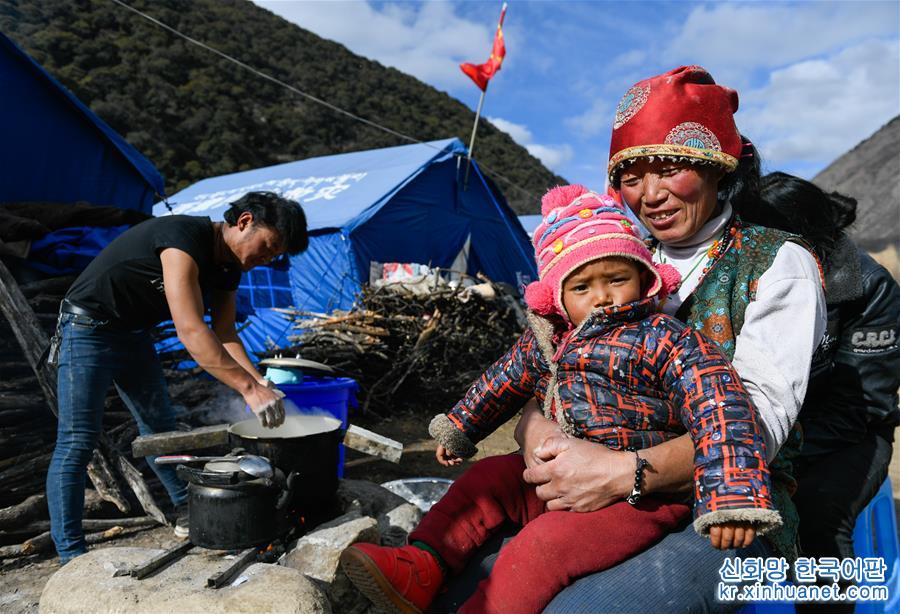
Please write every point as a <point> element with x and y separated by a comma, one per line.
<point>814,78</point>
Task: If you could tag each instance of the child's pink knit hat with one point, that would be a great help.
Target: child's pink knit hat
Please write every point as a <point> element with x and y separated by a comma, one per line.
<point>580,226</point>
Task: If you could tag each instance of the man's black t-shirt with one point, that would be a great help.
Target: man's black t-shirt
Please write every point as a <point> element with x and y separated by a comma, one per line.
<point>124,282</point>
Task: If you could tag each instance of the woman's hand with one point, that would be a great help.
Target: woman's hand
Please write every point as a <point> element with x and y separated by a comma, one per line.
<point>445,457</point>
<point>729,535</point>
<point>575,474</point>
<point>532,431</point>
<point>578,475</point>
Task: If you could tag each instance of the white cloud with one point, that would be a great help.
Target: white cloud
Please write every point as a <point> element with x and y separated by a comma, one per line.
<point>426,40</point>
<point>748,35</point>
<point>815,110</point>
<point>519,133</point>
<point>596,120</point>
<point>629,59</point>
<point>553,156</point>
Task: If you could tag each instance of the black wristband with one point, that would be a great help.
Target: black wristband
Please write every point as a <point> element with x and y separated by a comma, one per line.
<point>640,465</point>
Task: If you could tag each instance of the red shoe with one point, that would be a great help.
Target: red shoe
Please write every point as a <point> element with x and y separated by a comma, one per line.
<point>401,580</point>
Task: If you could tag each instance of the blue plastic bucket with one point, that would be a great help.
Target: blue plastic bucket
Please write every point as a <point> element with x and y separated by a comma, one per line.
<point>330,395</point>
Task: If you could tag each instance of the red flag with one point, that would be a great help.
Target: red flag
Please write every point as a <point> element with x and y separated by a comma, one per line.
<point>482,73</point>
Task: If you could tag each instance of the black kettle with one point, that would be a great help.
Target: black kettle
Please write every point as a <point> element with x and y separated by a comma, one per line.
<point>230,510</point>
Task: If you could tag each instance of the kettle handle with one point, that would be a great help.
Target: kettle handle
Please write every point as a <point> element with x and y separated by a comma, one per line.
<point>288,492</point>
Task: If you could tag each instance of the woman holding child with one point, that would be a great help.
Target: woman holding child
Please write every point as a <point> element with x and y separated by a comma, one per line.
<point>680,164</point>
<point>755,297</point>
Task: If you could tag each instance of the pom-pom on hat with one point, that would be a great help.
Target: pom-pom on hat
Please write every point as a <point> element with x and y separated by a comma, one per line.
<point>681,114</point>
<point>580,226</point>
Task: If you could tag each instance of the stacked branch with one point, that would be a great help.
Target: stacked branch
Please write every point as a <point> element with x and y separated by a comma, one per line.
<point>409,349</point>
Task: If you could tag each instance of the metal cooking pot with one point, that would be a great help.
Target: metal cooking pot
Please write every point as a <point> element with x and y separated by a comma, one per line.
<point>230,510</point>
<point>304,445</point>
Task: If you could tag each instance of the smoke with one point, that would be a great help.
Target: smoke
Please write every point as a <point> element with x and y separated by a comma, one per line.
<point>224,405</point>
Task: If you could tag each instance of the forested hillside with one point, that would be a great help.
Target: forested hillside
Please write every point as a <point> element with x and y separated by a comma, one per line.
<point>197,115</point>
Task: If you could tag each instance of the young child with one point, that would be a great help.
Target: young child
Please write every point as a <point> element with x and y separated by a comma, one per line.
<point>607,368</point>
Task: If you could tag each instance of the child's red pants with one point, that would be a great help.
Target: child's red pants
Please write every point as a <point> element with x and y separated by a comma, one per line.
<point>552,549</point>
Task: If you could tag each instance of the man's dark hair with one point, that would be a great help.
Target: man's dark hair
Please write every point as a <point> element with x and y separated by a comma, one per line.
<point>284,216</point>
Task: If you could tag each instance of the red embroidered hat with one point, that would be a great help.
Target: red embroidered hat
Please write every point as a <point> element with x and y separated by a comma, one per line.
<point>680,114</point>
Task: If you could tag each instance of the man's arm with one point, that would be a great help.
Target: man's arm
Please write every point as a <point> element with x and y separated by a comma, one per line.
<point>224,313</point>
<point>182,287</point>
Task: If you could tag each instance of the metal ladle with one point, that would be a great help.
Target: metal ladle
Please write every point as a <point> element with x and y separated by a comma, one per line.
<point>257,466</point>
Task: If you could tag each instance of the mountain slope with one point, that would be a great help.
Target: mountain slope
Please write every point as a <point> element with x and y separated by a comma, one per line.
<point>197,115</point>
<point>870,173</point>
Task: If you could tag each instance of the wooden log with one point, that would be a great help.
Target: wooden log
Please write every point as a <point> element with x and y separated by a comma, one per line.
<point>366,441</point>
<point>98,524</point>
<point>28,469</point>
<point>36,544</point>
<point>22,534</point>
<point>28,333</point>
<point>32,507</point>
<point>105,482</point>
<point>139,487</point>
<point>44,542</point>
<point>180,441</point>
<point>12,402</point>
<point>17,535</point>
<point>357,438</point>
<point>12,460</point>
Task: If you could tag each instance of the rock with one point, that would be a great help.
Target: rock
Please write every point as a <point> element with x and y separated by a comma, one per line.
<point>370,498</point>
<point>396,516</point>
<point>87,584</point>
<point>317,555</point>
<point>396,524</point>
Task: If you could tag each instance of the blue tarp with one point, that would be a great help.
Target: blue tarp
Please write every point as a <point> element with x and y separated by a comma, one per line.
<point>69,250</point>
<point>398,204</point>
<point>55,149</point>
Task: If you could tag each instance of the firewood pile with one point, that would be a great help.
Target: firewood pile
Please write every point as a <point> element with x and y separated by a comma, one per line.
<point>410,350</point>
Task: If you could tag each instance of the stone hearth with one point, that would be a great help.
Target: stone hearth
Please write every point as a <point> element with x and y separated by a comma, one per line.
<point>306,579</point>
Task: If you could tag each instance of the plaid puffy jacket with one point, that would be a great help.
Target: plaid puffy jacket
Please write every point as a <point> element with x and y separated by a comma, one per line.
<point>629,377</point>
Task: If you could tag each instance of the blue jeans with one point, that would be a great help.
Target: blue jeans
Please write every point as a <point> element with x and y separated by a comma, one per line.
<point>679,574</point>
<point>92,357</point>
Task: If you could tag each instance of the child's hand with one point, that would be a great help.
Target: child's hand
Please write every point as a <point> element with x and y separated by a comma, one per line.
<point>445,457</point>
<point>729,535</point>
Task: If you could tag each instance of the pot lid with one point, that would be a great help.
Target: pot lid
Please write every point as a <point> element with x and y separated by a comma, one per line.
<point>296,363</point>
<point>221,466</point>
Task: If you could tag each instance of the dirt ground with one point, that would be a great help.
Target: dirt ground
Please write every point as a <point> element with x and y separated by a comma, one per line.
<point>23,579</point>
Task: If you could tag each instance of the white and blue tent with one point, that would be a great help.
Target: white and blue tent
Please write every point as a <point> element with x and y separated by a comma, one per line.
<point>398,204</point>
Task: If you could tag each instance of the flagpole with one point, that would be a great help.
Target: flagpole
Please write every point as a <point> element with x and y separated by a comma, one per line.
<point>472,140</point>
